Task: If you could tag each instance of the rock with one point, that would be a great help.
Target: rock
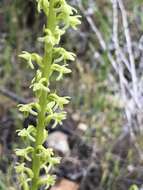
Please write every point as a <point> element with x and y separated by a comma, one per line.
<point>65,184</point>
<point>75,117</point>
<point>71,168</point>
<point>82,126</point>
<point>59,142</point>
<point>92,178</point>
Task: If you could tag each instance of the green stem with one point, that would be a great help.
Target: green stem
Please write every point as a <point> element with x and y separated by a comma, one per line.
<point>47,61</point>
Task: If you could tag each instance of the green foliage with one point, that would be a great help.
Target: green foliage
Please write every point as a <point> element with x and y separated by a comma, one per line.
<point>2,186</point>
<point>48,106</point>
<point>134,187</point>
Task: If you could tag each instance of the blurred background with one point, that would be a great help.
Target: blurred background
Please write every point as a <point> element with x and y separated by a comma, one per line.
<point>101,142</point>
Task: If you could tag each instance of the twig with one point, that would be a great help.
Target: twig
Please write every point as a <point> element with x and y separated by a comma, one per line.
<point>13,96</point>
<point>129,48</point>
<point>103,44</point>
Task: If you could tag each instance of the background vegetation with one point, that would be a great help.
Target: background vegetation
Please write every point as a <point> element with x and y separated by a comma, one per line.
<point>103,132</point>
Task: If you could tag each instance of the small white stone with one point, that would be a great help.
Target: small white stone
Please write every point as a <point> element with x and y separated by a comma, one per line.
<point>82,126</point>
<point>59,142</point>
<point>130,168</point>
<point>76,116</point>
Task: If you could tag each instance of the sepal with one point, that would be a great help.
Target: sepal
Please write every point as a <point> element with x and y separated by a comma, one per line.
<point>52,38</point>
<point>30,57</point>
<point>39,84</point>
<point>52,162</point>
<point>49,37</point>
<point>58,33</point>
<point>45,135</point>
<point>51,107</point>
<point>44,154</point>
<point>63,55</point>
<point>66,14</point>
<point>22,169</point>
<point>57,117</point>
<point>61,69</point>
<point>25,175</point>
<point>65,9</point>
<point>43,5</point>
<point>74,21</point>
<point>28,133</point>
<point>28,109</point>
<point>24,152</point>
<point>60,101</point>
<point>48,180</point>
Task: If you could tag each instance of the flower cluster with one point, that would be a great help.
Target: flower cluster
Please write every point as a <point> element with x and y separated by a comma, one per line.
<point>48,107</point>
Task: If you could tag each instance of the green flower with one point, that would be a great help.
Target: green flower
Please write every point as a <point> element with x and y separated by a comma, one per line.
<point>28,109</point>
<point>39,83</point>
<point>66,14</point>
<point>47,180</point>
<point>43,5</point>
<point>61,70</point>
<point>28,133</point>
<point>49,37</point>
<point>63,55</point>
<point>24,152</point>
<point>22,169</point>
<point>44,154</point>
<point>30,57</point>
<point>57,34</point>
<point>57,117</point>
<point>60,101</point>
<point>74,21</point>
<point>48,106</point>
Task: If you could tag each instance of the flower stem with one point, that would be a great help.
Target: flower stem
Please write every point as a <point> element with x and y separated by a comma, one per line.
<point>47,61</point>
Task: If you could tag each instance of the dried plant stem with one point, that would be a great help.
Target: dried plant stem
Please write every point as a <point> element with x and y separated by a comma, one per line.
<point>129,48</point>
